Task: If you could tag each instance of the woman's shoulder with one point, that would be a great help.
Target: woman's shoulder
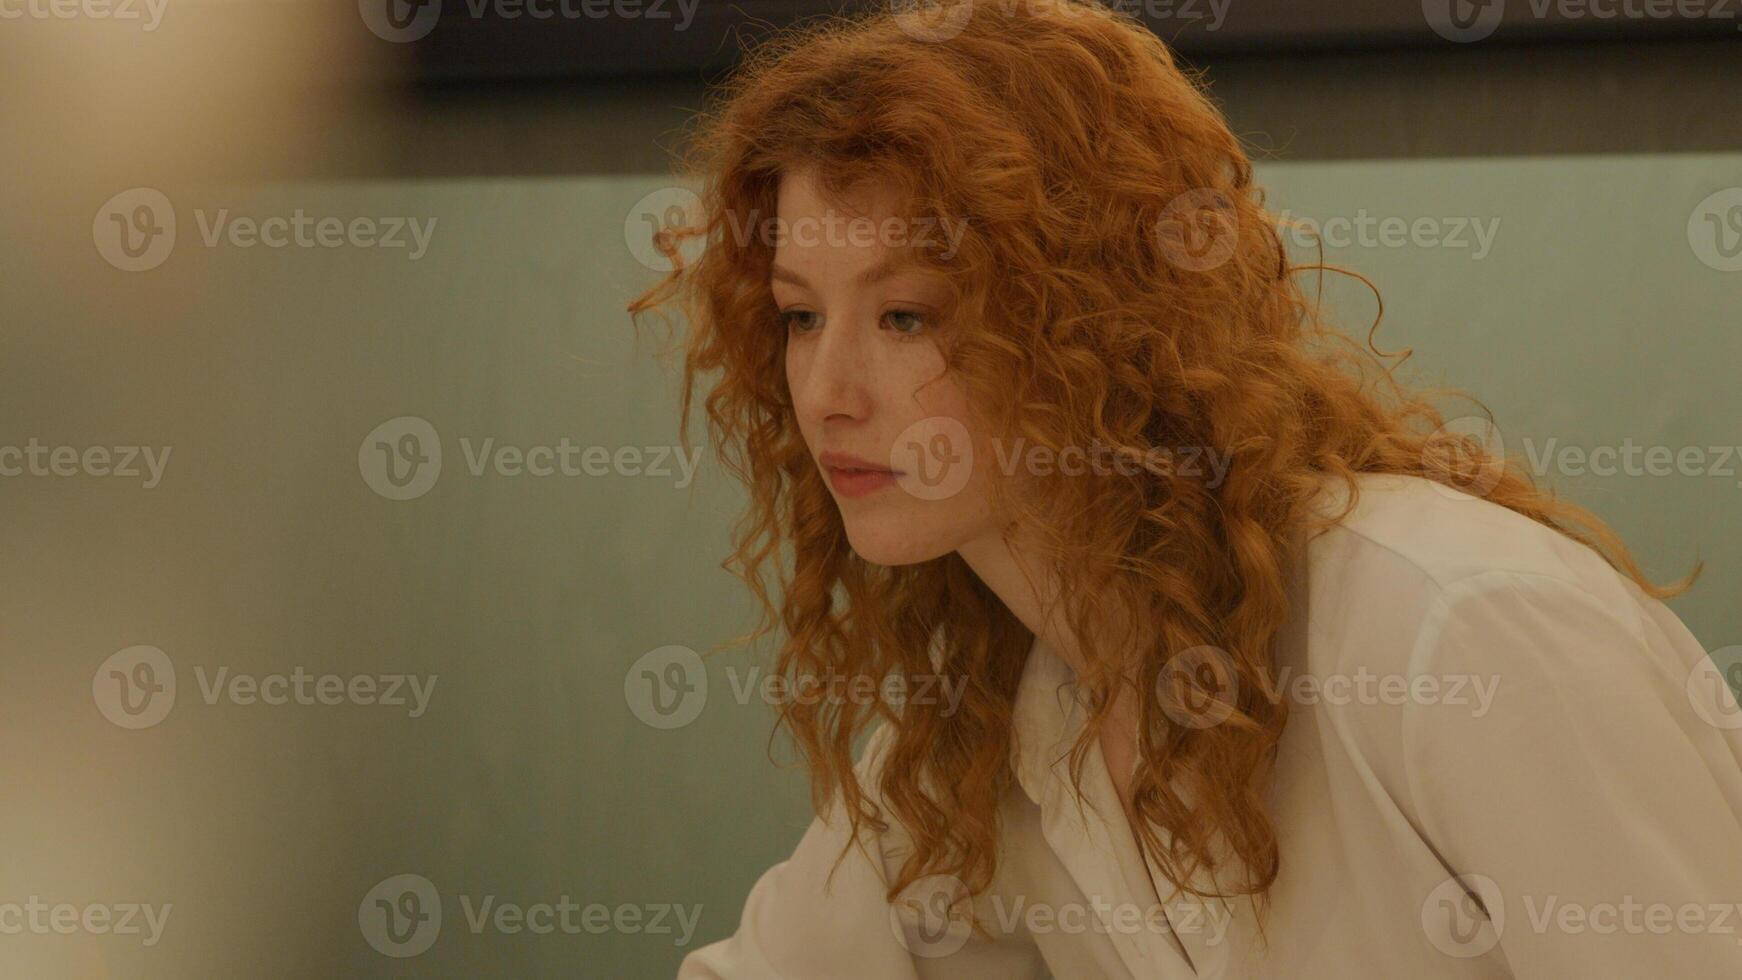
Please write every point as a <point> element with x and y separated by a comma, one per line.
<point>1412,547</point>
<point>1476,653</point>
<point>1421,577</point>
<point>1442,536</point>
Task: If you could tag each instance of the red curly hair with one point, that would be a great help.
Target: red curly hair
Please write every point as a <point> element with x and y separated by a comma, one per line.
<point>1087,308</point>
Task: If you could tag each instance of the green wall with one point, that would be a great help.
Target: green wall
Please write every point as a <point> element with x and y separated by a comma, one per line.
<point>530,776</point>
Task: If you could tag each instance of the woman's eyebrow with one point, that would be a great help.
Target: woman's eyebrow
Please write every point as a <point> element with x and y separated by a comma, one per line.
<point>784,274</point>
<point>882,270</point>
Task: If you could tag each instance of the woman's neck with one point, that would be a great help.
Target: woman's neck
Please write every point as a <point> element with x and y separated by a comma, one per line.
<point>1030,590</point>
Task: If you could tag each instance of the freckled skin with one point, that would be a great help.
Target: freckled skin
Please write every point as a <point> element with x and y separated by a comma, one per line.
<point>863,365</point>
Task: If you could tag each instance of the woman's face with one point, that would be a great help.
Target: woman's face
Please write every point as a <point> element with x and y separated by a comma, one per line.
<point>865,368</point>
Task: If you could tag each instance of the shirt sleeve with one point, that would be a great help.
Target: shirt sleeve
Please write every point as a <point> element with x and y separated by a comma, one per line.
<point>798,924</point>
<point>1592,811</point>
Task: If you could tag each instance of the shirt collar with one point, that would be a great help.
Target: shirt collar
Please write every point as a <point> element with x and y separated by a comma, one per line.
<point>1050,708</point>
<point>1051,711</point>
<point>1045,721</point>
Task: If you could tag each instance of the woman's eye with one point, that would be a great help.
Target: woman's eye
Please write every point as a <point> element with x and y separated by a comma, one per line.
<point>908,323</point>
<point>795,320</point>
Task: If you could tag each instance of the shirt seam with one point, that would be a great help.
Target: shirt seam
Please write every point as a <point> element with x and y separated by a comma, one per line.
<point>1427,646</point>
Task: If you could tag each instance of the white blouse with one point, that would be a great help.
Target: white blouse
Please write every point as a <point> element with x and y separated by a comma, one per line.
<point>1502,759</point>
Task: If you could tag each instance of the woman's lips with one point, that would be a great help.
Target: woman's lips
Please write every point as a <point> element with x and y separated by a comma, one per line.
<point>859,482</point>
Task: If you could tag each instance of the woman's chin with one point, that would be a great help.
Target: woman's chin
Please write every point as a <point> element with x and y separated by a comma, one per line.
<point>891,546</point>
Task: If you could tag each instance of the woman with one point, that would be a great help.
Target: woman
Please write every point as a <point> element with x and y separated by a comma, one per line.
<point>1189,652</point>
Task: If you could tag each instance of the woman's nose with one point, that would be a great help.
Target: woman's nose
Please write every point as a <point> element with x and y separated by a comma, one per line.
<point>837,371</point>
